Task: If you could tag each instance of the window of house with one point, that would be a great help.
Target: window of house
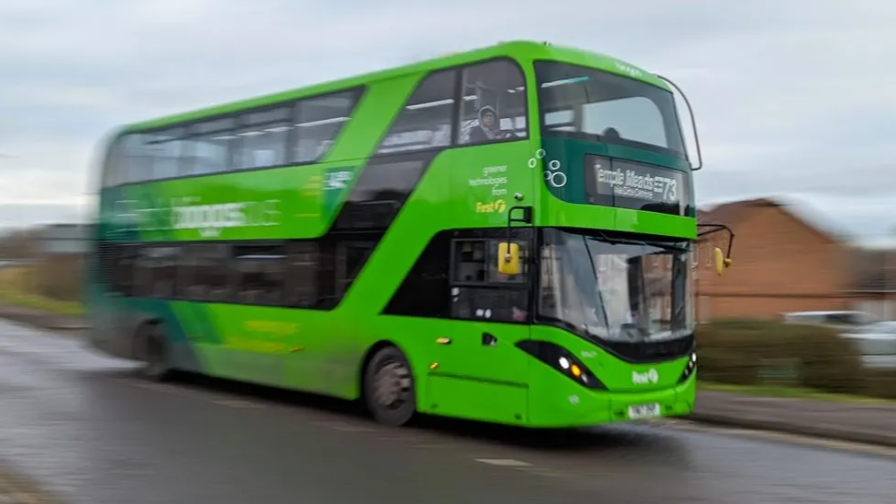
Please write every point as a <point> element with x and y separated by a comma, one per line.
<point>425,122</point>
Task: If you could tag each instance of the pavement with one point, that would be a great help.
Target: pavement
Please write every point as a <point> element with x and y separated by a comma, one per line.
<point>42,319</point>
<point>85,431</point>
<point>872,423</point>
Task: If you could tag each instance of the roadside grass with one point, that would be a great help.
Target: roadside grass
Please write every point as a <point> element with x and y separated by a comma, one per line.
<point>15,290</point>
<point>790,392</point>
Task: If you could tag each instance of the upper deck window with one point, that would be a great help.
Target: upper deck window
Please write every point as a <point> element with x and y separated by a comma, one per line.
<point>610,108</point>
<point>425,121</point>
<point>494,103</point>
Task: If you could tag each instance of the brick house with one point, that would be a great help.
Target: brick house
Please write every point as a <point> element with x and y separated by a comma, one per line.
<point>781,263</point>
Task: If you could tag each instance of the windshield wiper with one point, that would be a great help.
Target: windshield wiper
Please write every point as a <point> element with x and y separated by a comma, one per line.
<point>632,241</point>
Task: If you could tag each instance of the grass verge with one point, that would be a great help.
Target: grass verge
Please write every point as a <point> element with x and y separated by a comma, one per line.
<point>791,392</point>
<point>15,291</point>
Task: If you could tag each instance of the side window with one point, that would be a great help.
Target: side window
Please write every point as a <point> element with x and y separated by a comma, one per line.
<point>123,269</point>
<point>264,138</point>
<point>319,121</point>
<point>205,272</point>
<point>137,159</point>
<point>494,103</point>
<point>156,272</point>
<point>350,259</point>
<point>425,290</point>
<point>113,168</point>
<point>260,274</point>
<point>479,292</point>
<point>163,149</point>
<point>209,147</point>
<point>302,265</point>
<point>425,122</point>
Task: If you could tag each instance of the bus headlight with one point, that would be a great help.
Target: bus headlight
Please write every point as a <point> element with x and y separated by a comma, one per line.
<point>563,361</point>
<point>689,368</point>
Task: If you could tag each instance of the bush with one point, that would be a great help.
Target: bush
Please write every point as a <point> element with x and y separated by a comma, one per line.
<point>881,383</point>
<point>758,352</point>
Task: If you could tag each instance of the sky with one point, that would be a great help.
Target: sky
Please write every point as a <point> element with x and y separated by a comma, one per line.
<point>793,99</point>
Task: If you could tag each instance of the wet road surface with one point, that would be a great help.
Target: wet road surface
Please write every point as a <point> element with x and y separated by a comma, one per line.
<point>79,424</point>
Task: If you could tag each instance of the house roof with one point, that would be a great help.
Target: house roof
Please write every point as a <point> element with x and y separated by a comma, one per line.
<point>732,212</point>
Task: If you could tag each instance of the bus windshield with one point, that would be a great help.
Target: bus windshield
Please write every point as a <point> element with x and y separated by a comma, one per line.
<point>615,290</point>
<point>609,108</point>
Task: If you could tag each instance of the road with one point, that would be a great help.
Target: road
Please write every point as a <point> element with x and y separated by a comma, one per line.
<point>78,424</point>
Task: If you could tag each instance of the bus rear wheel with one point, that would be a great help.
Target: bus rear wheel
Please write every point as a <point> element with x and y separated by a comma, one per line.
<point>389,387</point>
<point>154,353</point>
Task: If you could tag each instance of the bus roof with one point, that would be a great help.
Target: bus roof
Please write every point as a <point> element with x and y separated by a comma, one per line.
<point>523,50</point>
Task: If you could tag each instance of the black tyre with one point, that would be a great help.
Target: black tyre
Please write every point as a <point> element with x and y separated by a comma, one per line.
<point>389,387</point>
<point>154,353</point>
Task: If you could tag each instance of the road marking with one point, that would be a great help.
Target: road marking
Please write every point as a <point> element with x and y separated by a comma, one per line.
<point>504,462</point>
<point>540,471</point>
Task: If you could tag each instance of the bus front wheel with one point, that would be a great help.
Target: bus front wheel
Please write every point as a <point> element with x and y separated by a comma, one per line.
<point>389,387</point>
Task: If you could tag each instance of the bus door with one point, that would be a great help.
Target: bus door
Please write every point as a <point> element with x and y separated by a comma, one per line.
<point>479,369</point>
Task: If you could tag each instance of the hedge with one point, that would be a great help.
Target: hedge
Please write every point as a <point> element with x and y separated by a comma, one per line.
<point>758,352</point>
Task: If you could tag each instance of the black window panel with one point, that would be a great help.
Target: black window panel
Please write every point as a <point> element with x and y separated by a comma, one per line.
<point>350,259</point>
<point>319,120</point>
<point>425,292</point>
<point>302,265</point>
<point>205,272</point>
<point>476,261</point>
<point>493,107</point>
<point>326,274</point>
<point>492,304</point>
<point>454,277</point>
<point>380,191</point>
<point>156,268</point>
<point>426,120</point>
<point>260,274</point>
<point>123,257</point>
<point>470,261</point>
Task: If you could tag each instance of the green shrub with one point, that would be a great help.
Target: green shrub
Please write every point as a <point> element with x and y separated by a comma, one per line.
<point>881,383</point>
<point>759,352</point>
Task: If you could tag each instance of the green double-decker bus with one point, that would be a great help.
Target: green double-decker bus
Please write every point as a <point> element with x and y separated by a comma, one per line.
<point>502,235</point>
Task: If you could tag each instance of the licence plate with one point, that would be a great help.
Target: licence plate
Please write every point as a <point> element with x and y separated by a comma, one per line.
<point>644,411</point>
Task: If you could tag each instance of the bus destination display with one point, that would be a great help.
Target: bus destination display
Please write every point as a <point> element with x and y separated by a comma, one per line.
<point>612,182</point>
